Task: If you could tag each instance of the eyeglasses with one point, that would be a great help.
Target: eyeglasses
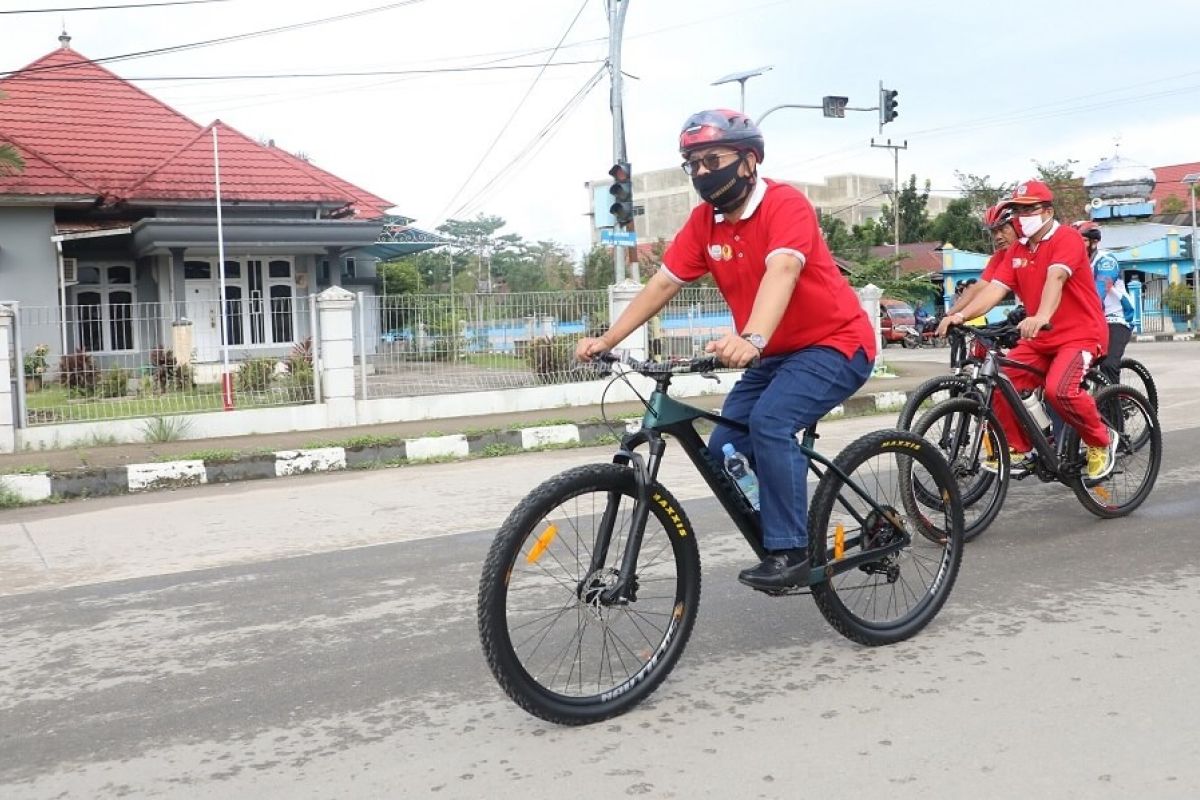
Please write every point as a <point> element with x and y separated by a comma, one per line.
<point>1019,211</point>
<point>710,161</point>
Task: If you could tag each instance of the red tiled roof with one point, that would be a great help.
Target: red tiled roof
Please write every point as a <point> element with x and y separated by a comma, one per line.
<point>915,257</point>
<point>1168,184</point>
<point>79,125</point>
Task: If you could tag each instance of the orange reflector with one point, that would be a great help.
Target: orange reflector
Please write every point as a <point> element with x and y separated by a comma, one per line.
<point>541,544</point>
<point>839,541</point>
<point>1102,493</point>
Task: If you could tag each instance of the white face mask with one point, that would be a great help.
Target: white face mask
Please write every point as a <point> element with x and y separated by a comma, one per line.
<point>1030,224</point>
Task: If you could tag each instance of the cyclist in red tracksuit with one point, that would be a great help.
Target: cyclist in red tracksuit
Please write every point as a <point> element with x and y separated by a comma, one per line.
<point>1049,271</point>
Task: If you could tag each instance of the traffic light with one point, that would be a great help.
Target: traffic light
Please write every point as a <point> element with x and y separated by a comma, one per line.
<point>887,105</point>
<point>622,193</point>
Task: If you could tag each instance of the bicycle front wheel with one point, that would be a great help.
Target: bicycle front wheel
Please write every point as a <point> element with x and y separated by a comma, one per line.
<point>968,435</point>
<point>556,645</point>
<point>1136,376</point>
<point>890,599</point>
<point>929,393</point>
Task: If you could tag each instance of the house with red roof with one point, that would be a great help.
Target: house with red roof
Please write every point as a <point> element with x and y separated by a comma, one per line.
<point>112,228</point>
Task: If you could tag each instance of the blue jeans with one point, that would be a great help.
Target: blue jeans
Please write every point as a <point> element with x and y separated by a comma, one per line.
<point>778,398</point>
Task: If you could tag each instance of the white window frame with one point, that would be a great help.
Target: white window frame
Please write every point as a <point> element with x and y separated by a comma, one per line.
<point>242,282</point>
<point>105,290</point>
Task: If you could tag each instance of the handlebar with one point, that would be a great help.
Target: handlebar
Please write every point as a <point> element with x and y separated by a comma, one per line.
<point>652,369</point>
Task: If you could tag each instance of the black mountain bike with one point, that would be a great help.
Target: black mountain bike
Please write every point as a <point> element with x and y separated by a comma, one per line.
<point>965,430</point>
<point>1134,374</point>
<point>591,587</point>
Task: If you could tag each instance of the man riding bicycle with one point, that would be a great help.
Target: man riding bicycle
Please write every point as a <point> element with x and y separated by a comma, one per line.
<point>792,308</point>
<point>1048,269</point>
<point>997,220</point>
<point>1118,306</point>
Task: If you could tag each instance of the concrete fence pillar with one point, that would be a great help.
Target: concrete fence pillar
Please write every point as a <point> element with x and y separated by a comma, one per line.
<point>619,298</point>
<point>336,308</point>
<point>8,368</point>
<point>869,297</point>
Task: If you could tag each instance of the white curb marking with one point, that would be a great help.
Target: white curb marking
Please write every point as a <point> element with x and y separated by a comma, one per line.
<point>30,488</point>
<point>436,447</point>
<point>548,434</point>
<point>166,475</point>
<point>318,459</point>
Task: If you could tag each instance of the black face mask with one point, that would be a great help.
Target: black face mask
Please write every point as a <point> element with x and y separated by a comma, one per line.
<point>724,188</point>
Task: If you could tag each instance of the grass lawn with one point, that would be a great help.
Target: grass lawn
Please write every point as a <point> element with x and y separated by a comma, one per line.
<point>53,404</point>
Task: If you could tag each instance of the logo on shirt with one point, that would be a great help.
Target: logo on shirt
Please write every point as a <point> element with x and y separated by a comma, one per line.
<point>1020,262</point>
<point>720,252</point>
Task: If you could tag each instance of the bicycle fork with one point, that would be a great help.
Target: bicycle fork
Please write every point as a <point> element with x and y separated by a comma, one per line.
<point>645,471</point>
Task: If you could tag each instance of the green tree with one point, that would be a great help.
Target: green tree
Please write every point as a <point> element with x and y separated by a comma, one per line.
<point>841,240</point>
<point>914,215</point>
<point>1070,198</point>
<point>1172,205</point>
<point>882,272</point>
<point>477,237</point>
<point>980,192</point>
<point>959,226</point>
<point>598,268</point>
<point>399,277</point>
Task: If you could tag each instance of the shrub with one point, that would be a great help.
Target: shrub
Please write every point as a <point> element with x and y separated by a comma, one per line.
<point>35,361</point>
<point>168,372</point>
<point>1179,298</point>
<point>78,372</point>
<point>300,365</point>
<point>552,358</point>
<point>255,374</point>
<point>114,383</point>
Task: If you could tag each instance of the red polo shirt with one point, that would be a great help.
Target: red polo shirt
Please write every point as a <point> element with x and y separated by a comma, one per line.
<point>824,310</point>
<point>1078,318</point>
<point>993,264</point>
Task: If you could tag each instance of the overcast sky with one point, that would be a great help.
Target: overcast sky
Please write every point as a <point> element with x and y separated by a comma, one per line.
<point>978,93</point>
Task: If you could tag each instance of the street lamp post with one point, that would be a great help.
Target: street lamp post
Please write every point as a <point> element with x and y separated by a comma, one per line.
<point>741,78</point>
<point>1190,180</point>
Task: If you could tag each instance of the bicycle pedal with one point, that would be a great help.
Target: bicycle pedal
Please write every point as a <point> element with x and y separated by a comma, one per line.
<point>787,592</point>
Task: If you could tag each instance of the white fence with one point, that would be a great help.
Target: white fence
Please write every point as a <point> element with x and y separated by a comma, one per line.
<point>114,359</point>
<point>435,344</point>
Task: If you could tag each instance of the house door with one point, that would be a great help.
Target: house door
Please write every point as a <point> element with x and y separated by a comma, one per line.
<point>205,314</point>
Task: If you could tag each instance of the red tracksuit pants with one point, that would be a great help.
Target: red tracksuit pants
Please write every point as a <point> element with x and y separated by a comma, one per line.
<point>1064,366</point>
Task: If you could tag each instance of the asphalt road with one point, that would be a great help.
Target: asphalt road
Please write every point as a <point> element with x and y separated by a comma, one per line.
<point>1062,666</point>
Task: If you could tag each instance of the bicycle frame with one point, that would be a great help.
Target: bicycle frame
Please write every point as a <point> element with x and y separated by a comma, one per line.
<point>993,378</point>
<point>665,415</point>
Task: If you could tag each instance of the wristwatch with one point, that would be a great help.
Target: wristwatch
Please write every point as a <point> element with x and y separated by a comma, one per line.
<point>756,339</point>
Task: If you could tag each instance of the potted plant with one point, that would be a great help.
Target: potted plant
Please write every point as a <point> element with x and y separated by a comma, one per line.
<point>35,367</point>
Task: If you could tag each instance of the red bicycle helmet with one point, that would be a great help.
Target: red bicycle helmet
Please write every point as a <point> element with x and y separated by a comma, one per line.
<point>997,216</point>
<point>1088,229</point>
<point>721,126</point>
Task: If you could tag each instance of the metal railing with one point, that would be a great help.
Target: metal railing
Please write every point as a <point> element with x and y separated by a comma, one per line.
<point>436,344</point>
<point>112,359</point>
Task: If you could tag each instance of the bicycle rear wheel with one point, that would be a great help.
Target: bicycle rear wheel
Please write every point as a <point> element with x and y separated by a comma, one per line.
<point>953,427</point>
<point>1139,454</point>
<point>930,393</point>
<point>555,645</point>
<point>889,600</point>
<point>1136,376</point>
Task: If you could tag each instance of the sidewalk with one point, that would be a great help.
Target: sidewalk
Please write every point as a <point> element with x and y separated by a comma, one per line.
<point>115,469</point>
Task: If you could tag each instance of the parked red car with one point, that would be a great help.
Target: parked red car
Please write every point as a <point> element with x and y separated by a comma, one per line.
<point>892,315</point>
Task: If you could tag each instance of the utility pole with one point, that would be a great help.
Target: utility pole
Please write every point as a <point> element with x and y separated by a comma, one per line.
<point>616,23</point>
<point>895,148</point>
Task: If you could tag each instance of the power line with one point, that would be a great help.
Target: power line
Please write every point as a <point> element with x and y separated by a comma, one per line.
<point>513,115</point>
<point>539,140</point>
<point>211,42</point>
<point>109,8</point>
<point>288,75</point>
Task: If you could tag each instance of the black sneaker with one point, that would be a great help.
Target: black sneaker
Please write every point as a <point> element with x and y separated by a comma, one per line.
<point>777,571</point>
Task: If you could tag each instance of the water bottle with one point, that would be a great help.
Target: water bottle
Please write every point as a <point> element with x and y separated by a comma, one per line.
<point>1033,404</point>
<point>739,469</point>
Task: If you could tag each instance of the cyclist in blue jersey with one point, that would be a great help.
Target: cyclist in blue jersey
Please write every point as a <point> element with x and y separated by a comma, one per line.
<point>1118,306</point>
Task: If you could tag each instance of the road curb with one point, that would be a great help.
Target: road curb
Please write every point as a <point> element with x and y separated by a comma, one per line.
<point>39,487</point>
<point>1164,337</point>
